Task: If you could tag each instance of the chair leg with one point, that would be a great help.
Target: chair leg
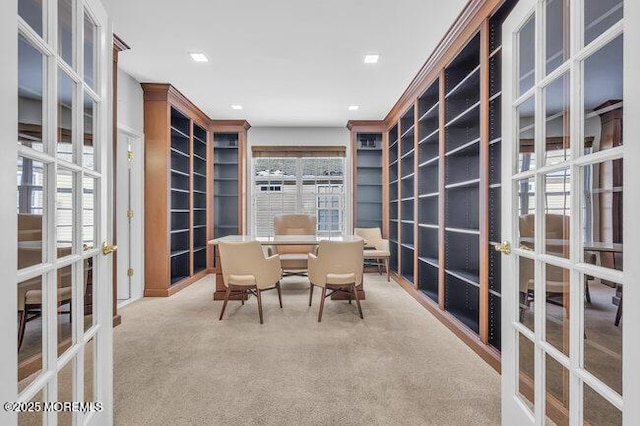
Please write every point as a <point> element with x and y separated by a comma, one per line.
<point>349,297</point>
<point>355,293</point>
<point>226,300</point>
<point>279,293</point>
<point>322,297</point>
<point>386,267</point>
<point>587,293</point>
<point>310,293</point>
<point>619,313</point>
<point>22,325</point>
<point>379,267</point>
<point>242,295</point>
<point>259,304</point>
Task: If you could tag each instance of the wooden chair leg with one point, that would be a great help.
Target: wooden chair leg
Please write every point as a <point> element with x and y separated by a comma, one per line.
<point>587,293</point>
<point>22,325</point>
<point>386,267</point>
<point>619,313</point>
<point>242,295</point>
<point>322,297</point>
<point>259,304</point>
<point>310,293</point>
<point>379,267</point>
<point>226,300</point>
<point>279,293</point>
<point>355,292</point>
<point>349,297</point>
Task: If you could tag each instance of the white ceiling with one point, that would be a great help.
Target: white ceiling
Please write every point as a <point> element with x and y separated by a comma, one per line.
<point>287,62</point>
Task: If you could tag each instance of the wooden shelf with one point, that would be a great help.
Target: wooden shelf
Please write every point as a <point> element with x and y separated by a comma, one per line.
<point>176,135</point>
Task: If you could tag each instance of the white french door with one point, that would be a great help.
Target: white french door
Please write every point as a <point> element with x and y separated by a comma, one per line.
<point>567,254</point>
<point>56,351</point>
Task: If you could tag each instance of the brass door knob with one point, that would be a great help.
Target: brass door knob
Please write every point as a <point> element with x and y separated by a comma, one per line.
<point>108,249</point>
<point>505,247</point>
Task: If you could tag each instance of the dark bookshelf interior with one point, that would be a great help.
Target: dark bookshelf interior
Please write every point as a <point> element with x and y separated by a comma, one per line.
<point>180,196</point>
<point>368,180</point>
<point>226,184</point>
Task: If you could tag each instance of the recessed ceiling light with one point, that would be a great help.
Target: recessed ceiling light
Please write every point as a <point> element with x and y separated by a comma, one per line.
<point>371,58</point>
<point>353,107</point>
<point>236,107</point>
<point>198,57</point>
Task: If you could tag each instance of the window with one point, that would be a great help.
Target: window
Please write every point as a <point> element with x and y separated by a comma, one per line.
<point>300,185</point>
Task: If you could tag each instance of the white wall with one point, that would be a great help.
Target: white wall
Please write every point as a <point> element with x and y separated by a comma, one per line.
<point>299,136</point>
<point>130,102</point>
<point>130,131</point>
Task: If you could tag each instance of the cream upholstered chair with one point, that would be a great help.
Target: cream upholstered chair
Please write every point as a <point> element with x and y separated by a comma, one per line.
<point>375,247</point>
<point>245,268</point>
<point>30,295</point>
<point>293,258</point>
<point>337,267</point>
<point>557,284</point>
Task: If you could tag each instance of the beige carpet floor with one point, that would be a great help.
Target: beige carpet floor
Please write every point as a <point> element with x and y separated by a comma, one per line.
<point>176,364</point>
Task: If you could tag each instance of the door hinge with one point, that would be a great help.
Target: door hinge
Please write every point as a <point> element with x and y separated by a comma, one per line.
<point>130,272</point>
<point>129,213</point>
<point>129,155</point>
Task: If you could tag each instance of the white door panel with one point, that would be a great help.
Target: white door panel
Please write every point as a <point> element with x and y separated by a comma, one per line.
<point>564,175</point>
<point>57,82</point>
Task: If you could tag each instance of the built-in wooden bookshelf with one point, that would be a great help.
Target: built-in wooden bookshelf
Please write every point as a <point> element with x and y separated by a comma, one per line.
<point>444,181</point>
<point>228,208</point>
<point>177,151</point>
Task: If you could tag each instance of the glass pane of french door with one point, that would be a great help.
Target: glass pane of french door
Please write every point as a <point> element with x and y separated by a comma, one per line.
<point>565,105</point>
<point>61,100</point>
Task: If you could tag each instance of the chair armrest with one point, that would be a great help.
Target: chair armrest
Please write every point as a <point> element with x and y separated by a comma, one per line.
<point>270,273</point>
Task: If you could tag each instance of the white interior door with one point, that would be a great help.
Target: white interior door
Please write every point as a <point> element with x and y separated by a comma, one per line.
<point>58,347</point>
<point>565,170</point>
<point>129,211</point>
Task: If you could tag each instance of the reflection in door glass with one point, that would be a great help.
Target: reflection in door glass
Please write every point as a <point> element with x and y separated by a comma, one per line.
<point>31,206</point>
<point>32,417</point>
<point>603,318</point>
<point>526,135</point>
<point>64,212</point>
<point>526,369</point>
<point>557,203</point>
<point>526,213</point>
<point>64,294</point>
<point>31,12</point>
<point>557,392</point>
<point>599,16</point>
<point>88,144</point>
<point>527,56</point>
<point>88,280</point>
<point>603,95</point>
<point>557,33</point>
<point>602,211</point>
<point>30,330</point>
<point>90,33</point>
<point>66,30</point>
<point>527,292</point>
<point>598,411</point>
<point>66,111</point>
<point>66,391</point>
<point>556,294</point>
<point>30,95</point>
<point>88,213</point>
<point>89,370</point>
<point>557,125</point>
